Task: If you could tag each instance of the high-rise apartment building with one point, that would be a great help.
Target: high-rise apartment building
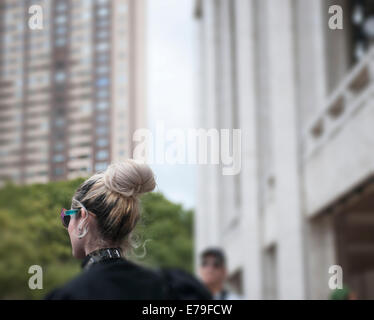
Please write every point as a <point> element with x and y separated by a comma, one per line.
<point>71,93</point>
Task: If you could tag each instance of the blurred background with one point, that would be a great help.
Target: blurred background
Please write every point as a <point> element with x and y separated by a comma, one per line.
<point>295,76</point>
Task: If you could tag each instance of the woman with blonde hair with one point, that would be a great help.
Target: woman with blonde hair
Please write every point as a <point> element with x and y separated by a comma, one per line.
<point>103,214</point>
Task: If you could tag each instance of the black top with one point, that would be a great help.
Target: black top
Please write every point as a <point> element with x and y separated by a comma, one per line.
<point>106,276</point>
<point>113,279</point>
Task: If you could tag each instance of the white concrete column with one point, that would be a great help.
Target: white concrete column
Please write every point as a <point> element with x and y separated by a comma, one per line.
<point>249,224</point>
<point>310,25</point>
<point>226,108</point>
<point>291,278</point>
<point>321,255</point>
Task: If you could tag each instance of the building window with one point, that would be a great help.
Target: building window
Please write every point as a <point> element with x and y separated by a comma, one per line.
<point>84,156</point>
<point>60,42</point>
<point>86,108</point>
<point>59,171</point>
<point>60,76</point>
<point>103,23</point>
<point>102,12</point>
<point>102,82</point>
<point>102,57</point>
<point>61,6</point>
<point>102,69</point>
<point>102,142</point>
<point>61,19</point>
<point>61,30</point>
<point>60,122</point>
<point>101,130</point>
<point>102,155</point>
<point>101,166</point>
<point>102,34</point>
<point>103,117</point>
<point>102,2</point>
<point>104,46</point>
<point>103,105</point>
<point>58,158</point>
<point>59,146</point>
<point>102,94</point>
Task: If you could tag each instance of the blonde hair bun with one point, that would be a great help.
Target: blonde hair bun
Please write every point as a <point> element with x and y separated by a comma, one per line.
<point>129,178</point>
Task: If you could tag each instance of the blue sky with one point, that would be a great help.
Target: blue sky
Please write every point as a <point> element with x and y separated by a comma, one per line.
<point>171,86</point>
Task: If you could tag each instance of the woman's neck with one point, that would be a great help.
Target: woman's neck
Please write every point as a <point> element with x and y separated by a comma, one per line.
<point>98,245</point>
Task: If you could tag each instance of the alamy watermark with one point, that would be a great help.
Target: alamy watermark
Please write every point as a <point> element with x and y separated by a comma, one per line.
<point>190,146</point>
<point>336,18</point>
<point>36,280</point>
<point>336,280</point>
<point>36,17</point>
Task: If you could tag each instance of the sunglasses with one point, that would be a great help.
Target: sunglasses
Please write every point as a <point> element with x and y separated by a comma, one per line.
<point>215,264</point>
<point>66,216</point>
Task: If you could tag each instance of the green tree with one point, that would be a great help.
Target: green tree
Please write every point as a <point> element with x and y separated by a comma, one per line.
<point>31,234</point>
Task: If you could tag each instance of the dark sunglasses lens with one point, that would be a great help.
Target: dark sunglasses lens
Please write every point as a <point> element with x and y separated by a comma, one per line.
<point>214,264</point>
<point>64,218</point>
<point>66,221</point>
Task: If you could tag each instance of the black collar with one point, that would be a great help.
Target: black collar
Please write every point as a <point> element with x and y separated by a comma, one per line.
<point>100,255</point>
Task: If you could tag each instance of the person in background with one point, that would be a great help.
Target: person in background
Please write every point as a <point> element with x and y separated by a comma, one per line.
<point>104,211</point>
<point>214,274</point>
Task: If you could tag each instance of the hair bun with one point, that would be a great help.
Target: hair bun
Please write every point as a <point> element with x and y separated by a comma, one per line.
<point>129,178</point>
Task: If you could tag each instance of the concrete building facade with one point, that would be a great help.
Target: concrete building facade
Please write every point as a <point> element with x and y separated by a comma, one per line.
<point>72,92</point>
<point>302,95</point>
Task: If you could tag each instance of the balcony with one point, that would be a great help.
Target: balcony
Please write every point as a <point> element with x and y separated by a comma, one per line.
<point>338,145</point>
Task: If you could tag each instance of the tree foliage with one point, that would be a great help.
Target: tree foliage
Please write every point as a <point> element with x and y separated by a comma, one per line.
<point>31,234</point>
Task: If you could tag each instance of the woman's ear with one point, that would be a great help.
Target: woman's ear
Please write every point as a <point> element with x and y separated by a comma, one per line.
<point>83,213</point>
